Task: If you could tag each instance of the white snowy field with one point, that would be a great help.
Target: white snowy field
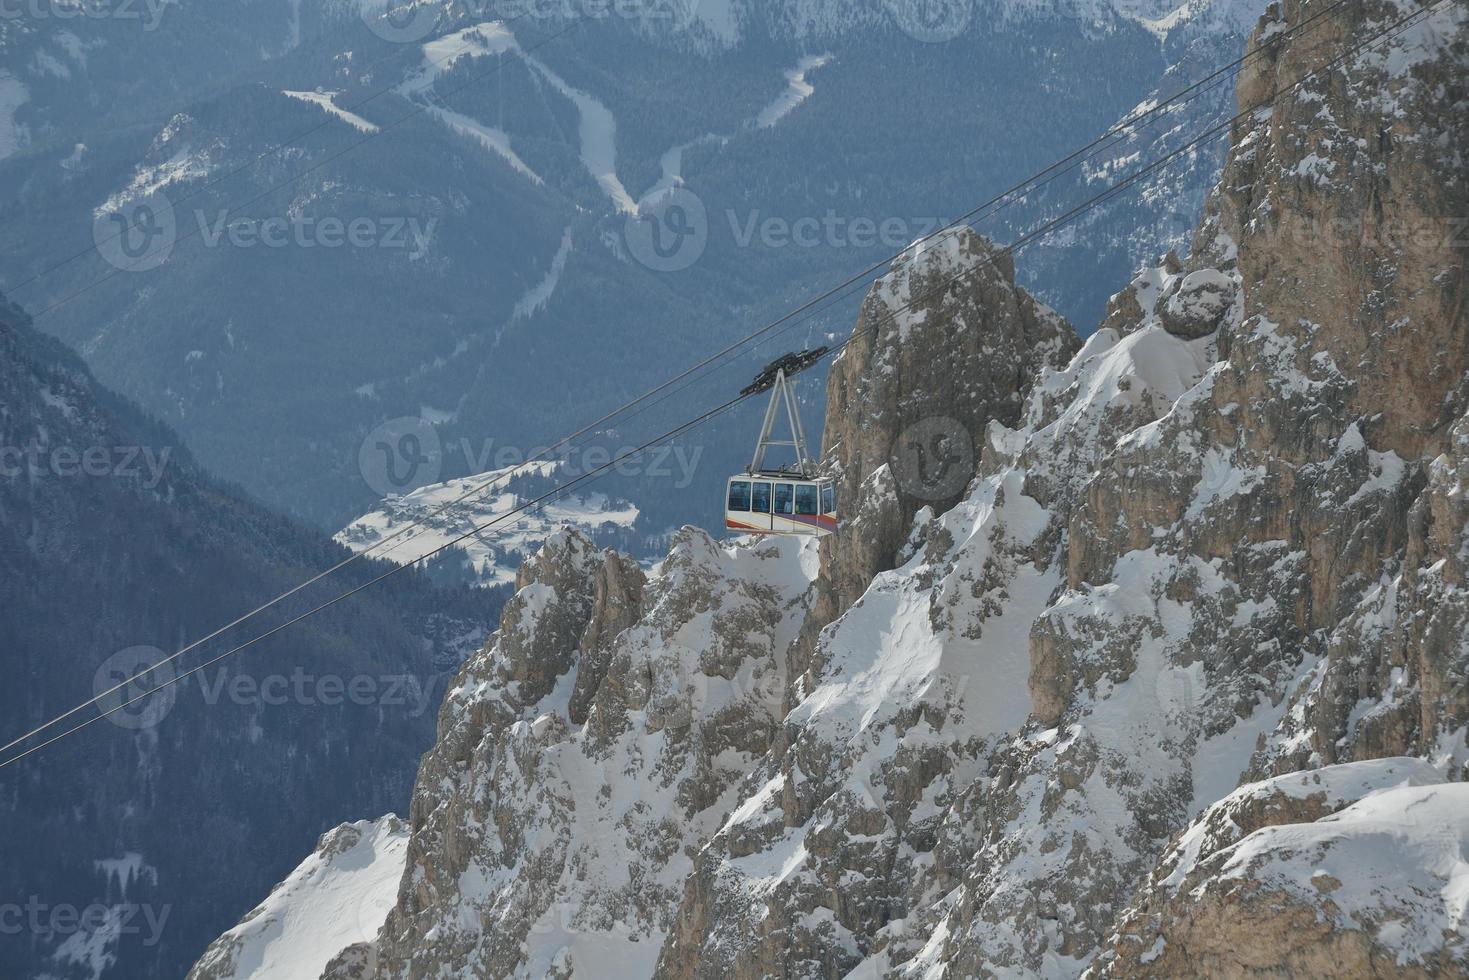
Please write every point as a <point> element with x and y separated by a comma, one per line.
<point>495,552</point>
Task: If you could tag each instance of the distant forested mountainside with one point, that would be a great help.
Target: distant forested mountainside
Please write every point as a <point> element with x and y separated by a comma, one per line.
<point>114,546</point>
<point>506,173</point>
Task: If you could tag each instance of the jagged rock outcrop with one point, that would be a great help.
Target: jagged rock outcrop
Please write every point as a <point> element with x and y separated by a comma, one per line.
<point>543,844</point>
<point>617,605</point>
<point>945,343</point>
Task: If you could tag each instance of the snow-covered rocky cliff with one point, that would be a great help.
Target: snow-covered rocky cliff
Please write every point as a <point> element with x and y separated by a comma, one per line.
<point>1172,682</point>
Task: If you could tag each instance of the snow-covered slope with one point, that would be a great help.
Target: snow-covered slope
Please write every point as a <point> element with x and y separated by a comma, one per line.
<point>338,897</point>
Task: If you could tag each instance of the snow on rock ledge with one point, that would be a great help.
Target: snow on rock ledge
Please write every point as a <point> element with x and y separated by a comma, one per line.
<point>1351,870</point>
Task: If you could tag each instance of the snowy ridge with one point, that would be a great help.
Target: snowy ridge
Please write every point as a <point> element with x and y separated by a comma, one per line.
<point>326,100</point>
<point>1413,838</point>
<point>1331,788</point>
<point>1372,848</point>
<point>1197,17</point>
<point>723,24</point>
<point>337,897</point>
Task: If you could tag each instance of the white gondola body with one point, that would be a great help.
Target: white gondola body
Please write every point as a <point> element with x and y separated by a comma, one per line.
<point>776,503</point>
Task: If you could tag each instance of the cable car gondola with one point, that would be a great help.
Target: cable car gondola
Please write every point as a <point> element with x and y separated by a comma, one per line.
<point>790,499</point>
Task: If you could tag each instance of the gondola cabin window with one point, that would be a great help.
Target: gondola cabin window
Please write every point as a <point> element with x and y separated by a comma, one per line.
<point>739,496</point>
<point>780,506</point>
<point>761,498</point>
<point>806,499</point>
<point>784,498</point>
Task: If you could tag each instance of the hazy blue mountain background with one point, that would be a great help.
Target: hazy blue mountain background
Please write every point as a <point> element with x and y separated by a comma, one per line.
<point>190,817</point>
<point>521,312</point>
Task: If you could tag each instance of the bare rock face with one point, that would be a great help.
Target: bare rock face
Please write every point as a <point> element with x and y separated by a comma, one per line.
<point>617,605</point>
<point>353,963</point>
<point>1365,319</point>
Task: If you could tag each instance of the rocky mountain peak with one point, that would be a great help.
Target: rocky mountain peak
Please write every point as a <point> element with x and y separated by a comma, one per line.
<point>542,624</point>
<point>945,344</point>
<point>946,335</point>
